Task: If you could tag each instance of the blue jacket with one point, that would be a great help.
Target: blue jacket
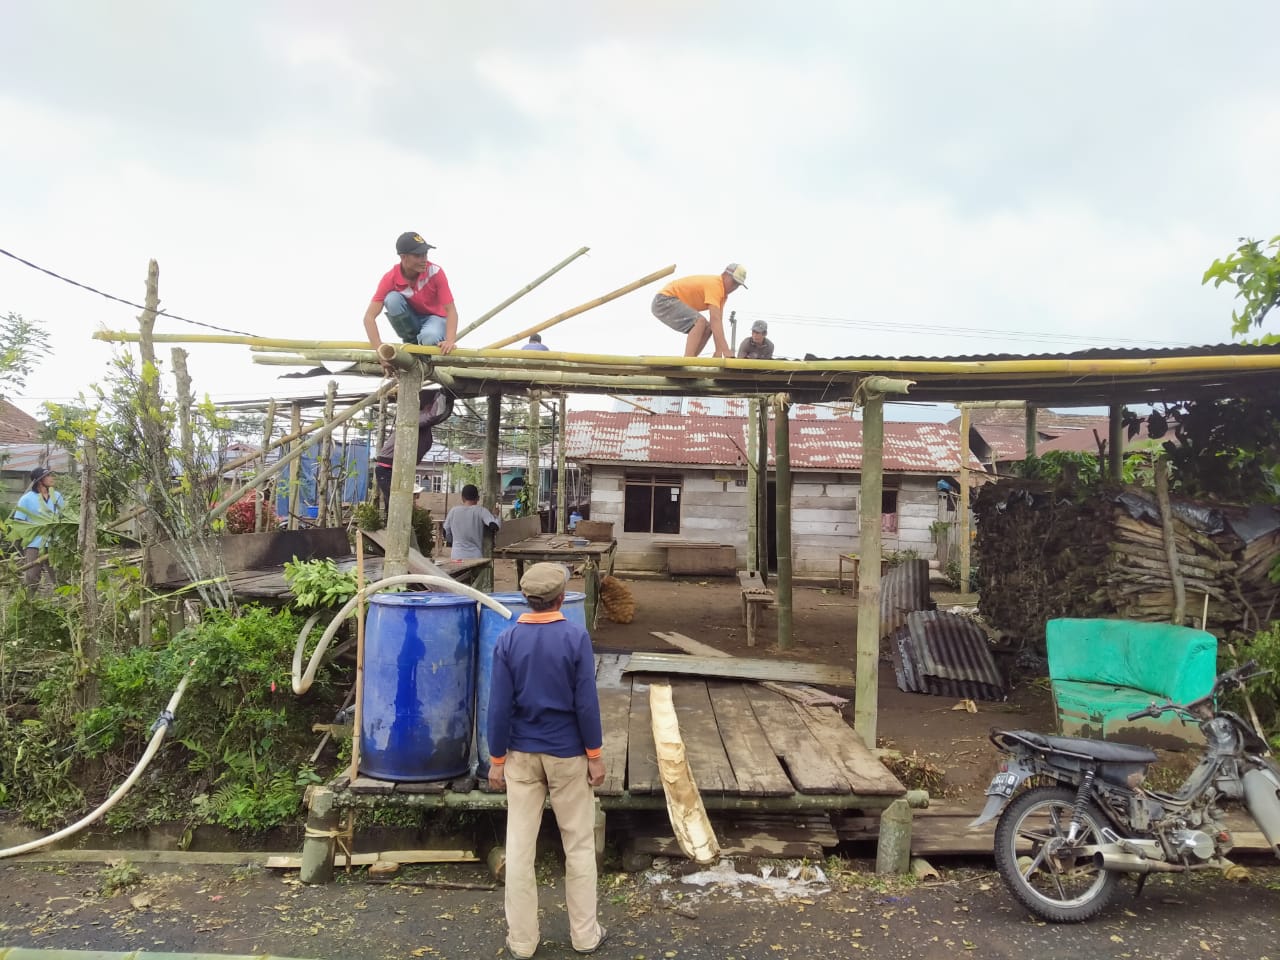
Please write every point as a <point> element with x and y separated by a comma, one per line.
<point>543,697</point>
<point>32,506</point>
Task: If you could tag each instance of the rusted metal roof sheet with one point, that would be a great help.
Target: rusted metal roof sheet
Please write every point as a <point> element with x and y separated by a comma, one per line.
<point>25,457</point>
<point>835,445</point>
<point>947,655</point>
<point>728,407</point>
<point>903,590</point>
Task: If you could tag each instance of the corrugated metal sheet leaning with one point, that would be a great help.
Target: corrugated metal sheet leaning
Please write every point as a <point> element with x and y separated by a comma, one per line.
<point>946,655</point>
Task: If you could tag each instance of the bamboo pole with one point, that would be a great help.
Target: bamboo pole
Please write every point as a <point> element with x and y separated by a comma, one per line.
<point>521,292</point>
<point>278,467</point>
<point>753,488</point>
<point>782,511</point>
<point>583,308</point>
<point>1170,542</point>
<point>282,360</point>
<point>534,438</point>
<point>867,664</point>
<point>1032,434</point>
<point>154,443</point>
<point>491,478</point>
<point>260,517</point>
<point>357,713</point>
<point>395,561</point>
<point>1115,441</point>
<point>965,538</point>
<point>762,492</point>
<point>295,472</point>
<point>561,473</point>
<point>324,464</point>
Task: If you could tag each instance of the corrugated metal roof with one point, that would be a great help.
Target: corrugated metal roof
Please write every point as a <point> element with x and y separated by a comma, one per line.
<point>727,407</point>
<point>1093,353</point>
<point>603,436</point>
<point>945,654</point>
<point>25,457</point>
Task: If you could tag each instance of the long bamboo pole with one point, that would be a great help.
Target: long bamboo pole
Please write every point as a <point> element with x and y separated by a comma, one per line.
<point>268,426</point>
<point>753,487</point>
<point>295,472</point>
<point>867,662</point>
<point>357,713</point>
<point>521,292</point>
<point>1115,443</point>
<point>324,464</point>
<point>583,308</point>
<point>1032,433</point>
<point>561,475</point>
<point>533,472</point>
<point>782,510</point>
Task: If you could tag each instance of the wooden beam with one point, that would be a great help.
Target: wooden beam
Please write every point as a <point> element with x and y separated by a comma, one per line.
<point>753,488</point>
<point>965,537</point>
<point>561,474</point>
<point>740,668</point>
<point>867,664</point>
<point>762,492</point>
<point>782,511</point>
<point>403,472</point>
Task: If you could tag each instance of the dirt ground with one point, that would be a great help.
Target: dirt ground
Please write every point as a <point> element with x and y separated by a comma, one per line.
<point>825,620</point>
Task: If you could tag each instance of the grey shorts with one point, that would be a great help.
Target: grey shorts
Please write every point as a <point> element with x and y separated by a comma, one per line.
<point>675,313</point>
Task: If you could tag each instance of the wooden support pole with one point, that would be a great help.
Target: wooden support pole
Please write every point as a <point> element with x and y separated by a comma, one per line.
<point>155,446</point>
<point>295,471</point>
<point>321,839</point>
<point>1032,433</point>
<point>561,470</point>
<point>87,641</point>
<point>1179,612</point>
<point>534,439</point>
<point>492,478</point>
<point>182,380</point>
<point>753,487</point>
<point>782,513</point>
<point>1115,443</point>
<point>893,846</point>
<point>867,662</point>
<point>966,538</point>
<point>521,292</point>
<point>583,308</point>
<point>762,491</point>
<point>403,472</point>
<point>324,463</point>
<point>358,706</point>
<point>268,426</point>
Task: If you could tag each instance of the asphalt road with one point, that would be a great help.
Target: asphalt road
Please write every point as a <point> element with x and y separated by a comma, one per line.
<point>248,910</point>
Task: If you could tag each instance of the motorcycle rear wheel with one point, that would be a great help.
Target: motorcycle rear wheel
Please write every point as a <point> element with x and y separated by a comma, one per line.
<point>1049,881</point>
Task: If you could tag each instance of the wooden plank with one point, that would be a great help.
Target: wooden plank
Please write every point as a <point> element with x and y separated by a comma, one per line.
<point>748,845</point>
<point>805,759</point>
<point>615,719</point>
<point>758,772</point>
<point>642,756</point>
<point>742,668</point>
<point>798,693</point>
<point>385,856</point>
<point>513,531</point>
<point>864,772</point>
<point>609,668</point>
<point>704,751</point>
<point>417,562</point>
<point>254,551</point>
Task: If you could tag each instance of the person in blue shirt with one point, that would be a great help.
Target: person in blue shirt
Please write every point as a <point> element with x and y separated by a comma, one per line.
<point>37,503</point>
<point>535,343</point>
<point>545,736</point>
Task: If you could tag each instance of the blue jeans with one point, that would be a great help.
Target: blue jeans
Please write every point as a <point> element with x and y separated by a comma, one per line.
<point>413,327</point>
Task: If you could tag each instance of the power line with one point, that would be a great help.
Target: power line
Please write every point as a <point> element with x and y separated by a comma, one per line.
<point>127,303</point>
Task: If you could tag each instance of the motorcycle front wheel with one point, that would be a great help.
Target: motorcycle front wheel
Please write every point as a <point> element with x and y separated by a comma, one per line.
<point>1039,867</point>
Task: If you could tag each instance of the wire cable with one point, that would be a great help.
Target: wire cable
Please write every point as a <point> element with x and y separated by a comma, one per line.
<point>127,303</point>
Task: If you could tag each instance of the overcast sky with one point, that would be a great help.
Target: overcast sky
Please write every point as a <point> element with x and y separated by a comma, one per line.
<point>915,178</point>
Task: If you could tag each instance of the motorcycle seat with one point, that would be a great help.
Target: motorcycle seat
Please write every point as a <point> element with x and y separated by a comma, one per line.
<point>1083,746</point>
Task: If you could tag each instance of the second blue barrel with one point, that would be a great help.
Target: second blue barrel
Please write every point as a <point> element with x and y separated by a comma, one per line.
<point>491,625</point>
<point>419,686</point>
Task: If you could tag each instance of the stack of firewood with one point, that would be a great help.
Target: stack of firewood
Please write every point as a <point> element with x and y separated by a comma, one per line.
<point>1042,555</point>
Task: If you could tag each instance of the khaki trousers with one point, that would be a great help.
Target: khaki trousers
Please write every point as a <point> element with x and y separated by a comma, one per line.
<point>530,777</point>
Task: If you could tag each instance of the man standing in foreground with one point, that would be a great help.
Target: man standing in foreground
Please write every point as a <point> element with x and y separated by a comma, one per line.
<point>757,346</point>
<point>417,298</point>
<point>464,526</point>
<point>545,736</point>
<point>680,302</point>
<point>41,501</point>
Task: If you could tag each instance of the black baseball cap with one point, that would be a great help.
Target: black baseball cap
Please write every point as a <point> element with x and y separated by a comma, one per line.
<point>38,474</point>
<point>412,243</point>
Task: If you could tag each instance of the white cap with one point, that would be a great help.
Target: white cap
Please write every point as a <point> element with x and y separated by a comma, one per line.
<point>738,272</point>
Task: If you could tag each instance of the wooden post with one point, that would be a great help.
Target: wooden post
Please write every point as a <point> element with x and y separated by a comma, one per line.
<point>324,463</point>
<point>492,479</point>
<point>532,473</point>
<point>867,663</point>
<point>403,471</point>
<point>382,436</point>
<point>155,444</point>
<point>321,840</point>
<point>561,473</point>
<point>1170,544</point>
<point>762,490</point>
<point>86,677</point>
<point>260,521</point>
<point>753,487</point>
<point>182,379</point>
<point>358,708</point>
<point>893,846</point>
<point>1032,433</point>
<point>782,510</point>
<point>965,536</point>
<point>1115,443</point>
<point>295,471</point>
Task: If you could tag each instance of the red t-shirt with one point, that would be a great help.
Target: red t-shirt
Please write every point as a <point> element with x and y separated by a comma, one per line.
<point>428,294</point>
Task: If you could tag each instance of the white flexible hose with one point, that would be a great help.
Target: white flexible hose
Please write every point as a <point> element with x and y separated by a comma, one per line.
<point>302,681</point>
<point>161,728</point>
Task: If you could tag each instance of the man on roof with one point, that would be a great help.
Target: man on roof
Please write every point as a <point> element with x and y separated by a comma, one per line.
<point>681,302</point>
<point>757,346</point>
<point>417,299</point>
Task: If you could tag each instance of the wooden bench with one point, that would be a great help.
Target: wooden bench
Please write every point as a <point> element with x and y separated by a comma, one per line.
<point>755,596</point>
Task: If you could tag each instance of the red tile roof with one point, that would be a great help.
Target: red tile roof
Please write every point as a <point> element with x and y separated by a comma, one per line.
<point>17,426</point>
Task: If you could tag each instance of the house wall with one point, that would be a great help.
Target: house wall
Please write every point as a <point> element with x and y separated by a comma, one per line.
<point>824,516</point>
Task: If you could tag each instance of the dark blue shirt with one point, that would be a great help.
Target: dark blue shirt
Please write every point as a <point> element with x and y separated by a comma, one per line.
<point>543,697</point>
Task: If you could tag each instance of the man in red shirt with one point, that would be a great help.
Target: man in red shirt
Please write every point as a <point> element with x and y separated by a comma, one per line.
<point>680,304</point>
<point>417,298</point>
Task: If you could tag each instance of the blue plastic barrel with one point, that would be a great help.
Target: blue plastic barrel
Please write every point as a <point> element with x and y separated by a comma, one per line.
<point>419,686</point>
<point>492,624</point>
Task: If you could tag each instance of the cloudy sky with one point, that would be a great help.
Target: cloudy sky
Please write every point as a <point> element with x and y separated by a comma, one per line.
<point>933,178</point>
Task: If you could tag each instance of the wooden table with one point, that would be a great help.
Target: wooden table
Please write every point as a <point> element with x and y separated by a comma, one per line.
<point>596,558</point>
<point>853,559</point>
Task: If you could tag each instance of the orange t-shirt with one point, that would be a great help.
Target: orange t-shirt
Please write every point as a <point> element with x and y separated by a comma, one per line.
<point>698,292</point>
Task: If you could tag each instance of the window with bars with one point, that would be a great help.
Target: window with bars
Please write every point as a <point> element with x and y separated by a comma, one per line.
<point>652,503</point>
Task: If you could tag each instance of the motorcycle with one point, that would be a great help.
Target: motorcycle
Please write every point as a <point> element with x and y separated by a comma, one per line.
<point>1062,844</point>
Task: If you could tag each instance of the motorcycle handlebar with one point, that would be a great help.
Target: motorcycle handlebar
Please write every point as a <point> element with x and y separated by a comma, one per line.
<point>1151,711</point>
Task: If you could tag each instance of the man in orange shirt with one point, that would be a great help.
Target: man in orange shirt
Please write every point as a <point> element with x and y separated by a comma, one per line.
<point>680,304</point>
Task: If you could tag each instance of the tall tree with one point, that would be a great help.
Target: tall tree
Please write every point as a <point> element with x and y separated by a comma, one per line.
<point>23,343</point>
<point>1253,268</point>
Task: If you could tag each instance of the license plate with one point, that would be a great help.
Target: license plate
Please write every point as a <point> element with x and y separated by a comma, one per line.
<point>1003,785</point>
